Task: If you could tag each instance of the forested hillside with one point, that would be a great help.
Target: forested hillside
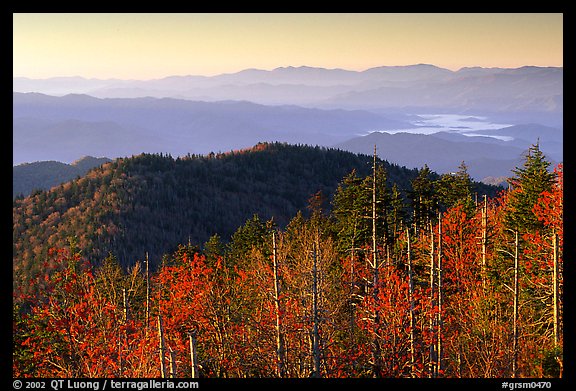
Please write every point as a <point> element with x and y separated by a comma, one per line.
<point>46,174</point>
<point>366,283</point>
<point>151,203</point>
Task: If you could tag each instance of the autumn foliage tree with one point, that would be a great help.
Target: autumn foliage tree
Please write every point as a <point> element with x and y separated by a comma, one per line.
<point>73,329</point>
<point>389,282</point>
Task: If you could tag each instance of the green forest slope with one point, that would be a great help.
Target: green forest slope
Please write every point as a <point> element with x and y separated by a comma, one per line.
<point>152,203</point>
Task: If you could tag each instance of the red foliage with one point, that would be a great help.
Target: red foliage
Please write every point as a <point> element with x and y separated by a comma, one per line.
<point>70,327</point>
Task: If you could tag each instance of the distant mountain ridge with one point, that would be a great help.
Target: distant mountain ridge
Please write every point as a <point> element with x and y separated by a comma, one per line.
<point>63,128</point>
<point>496,90</point>
<point>280,75</point>
<point>47,174</point>
<point>443,152</point>
<point>298,105</point>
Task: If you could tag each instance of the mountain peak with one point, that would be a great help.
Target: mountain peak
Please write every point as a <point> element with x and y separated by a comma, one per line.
<point>90,161</point>
<point>301,68</point>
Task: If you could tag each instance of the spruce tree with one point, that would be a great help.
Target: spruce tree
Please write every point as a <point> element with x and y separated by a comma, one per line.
<point>423,198</point>
<point>527,185</point>
<point>352,209</point>
<point>456,188</point>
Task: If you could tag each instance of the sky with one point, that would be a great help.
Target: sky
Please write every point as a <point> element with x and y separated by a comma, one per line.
<point>151,46</point>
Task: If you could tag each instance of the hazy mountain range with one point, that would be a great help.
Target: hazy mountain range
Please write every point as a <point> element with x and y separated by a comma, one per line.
<point>370,79</point>
<point>444,152</point>
<point>63,119</point>
<point>498,90</point>
<point>64,128</point>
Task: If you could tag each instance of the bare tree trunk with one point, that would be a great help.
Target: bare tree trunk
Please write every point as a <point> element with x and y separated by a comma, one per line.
<point>279,339</point>
<point>352,306</point>
<point>555,288</point>
<point>125,305</point>
<point>433,357</point>
<point>120,356</point>
<point>440,298</point>
<point>484,239</point>
<point>374,253</point>
<point>124,321</point>
<point>172,363</point>
<point>147,294</point>
<point>516,305</point>
<point>352,319</point>
<point>162,349</point>
<point>376,343</point>
<point>315,331</point>
<point>556,306</point>
<point>411,298</point>
<point>193,356</point>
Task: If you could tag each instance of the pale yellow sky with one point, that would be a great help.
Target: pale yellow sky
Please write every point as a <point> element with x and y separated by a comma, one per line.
<point>149,46</point>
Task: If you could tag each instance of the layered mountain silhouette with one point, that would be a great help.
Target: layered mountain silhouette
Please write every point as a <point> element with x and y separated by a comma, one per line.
<point>62,119</point>
<point>443,152</point>
<point>498,90</point>
<point>64,128</point>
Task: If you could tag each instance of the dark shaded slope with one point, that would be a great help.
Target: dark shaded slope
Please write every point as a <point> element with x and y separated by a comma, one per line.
<point>151,203</point>
<point>44,175</point>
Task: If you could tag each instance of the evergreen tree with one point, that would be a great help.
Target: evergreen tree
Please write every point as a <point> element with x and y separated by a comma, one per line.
<point>397,215</point>
<point>423,198</point>
<point>352,204</point>
<point>213,249</point>
<point>456,188</point>
<point>253,234</point>
<point>530,180</point>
